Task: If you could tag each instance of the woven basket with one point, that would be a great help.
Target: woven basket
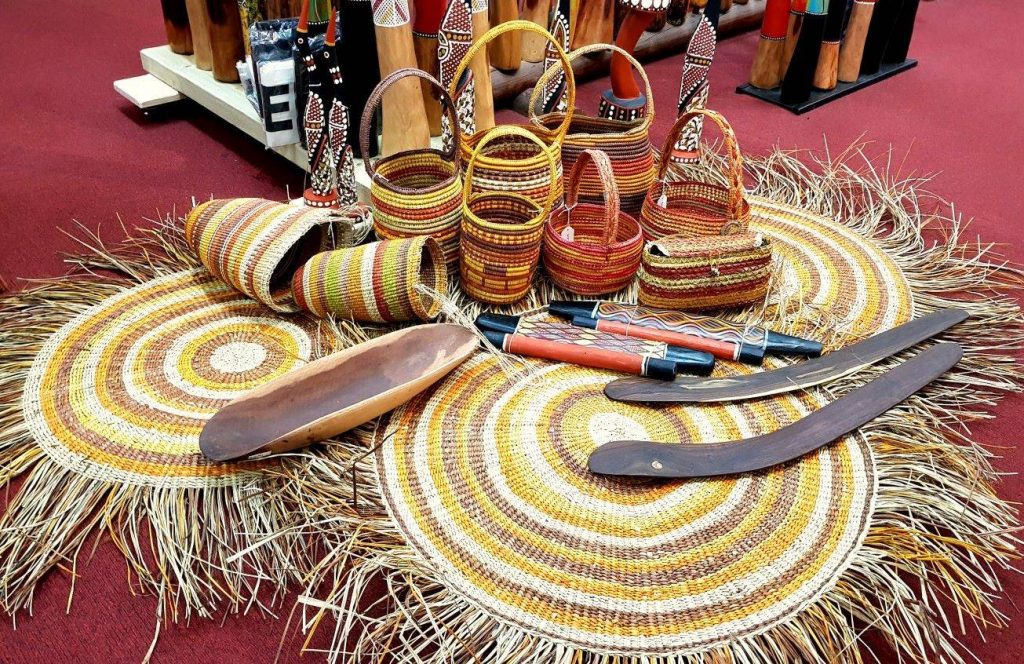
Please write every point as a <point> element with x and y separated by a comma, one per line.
<point>592,249</point>
<point>416,192</point>
<point>501,231</point>
<point>627,143</point>
<point>697,273</point>
<point>690,207</point>
<point>513,163</point>
<point>376,282</point>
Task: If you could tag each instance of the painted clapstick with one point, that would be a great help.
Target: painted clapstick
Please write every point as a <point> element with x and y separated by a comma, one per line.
<point>797,10</point>
<point>537,11</point>
<point>425,25</point>
<point>827,71</point>
<point>765,72</point>
<point>484,107</point>
<point>903,31</point>
<point>506,51</point>
<point>694,86</point>
<point>594,23</point>
<point>225,39</point>
<point>883,22</point>
<point>625,101</point>
<point>199,20</point>
<point>852,50</point>
<point>796,84</point>
<point>357,55</point>
<point>404,125</point>
<point>321,192</point>
<point>454,39</point>
<point>179,35</point>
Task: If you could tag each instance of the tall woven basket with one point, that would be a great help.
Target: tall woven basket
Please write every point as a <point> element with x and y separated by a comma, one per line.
<point>416,192</point>
<point>691,207</point>
<point>626,142</point>
<point>592,249</point>
<point>501,230</point>
<point>513,163</point>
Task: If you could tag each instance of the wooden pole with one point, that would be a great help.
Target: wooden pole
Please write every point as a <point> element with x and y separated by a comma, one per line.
<point>404,125</point>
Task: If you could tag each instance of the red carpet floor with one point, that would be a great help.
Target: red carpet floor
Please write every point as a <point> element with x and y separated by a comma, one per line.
<point>72,149</point>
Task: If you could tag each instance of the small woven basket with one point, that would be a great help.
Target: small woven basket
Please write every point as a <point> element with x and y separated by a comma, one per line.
<point>691,207</point>
<point>416,192</point>
<point>501,232</point>
<point>592,249</point>
<point>377,282</point>
<point>513,163</point>
<point>698,273</point>
<point>626,142</point>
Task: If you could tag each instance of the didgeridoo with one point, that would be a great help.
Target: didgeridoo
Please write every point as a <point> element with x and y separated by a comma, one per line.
<point>826,74</point>
<point>554,91</point>
<point>595,23</point>
<point>404,125</point>
<point>226,43</point>
<point>506,51</point>
<point>765,72</point>
<point>796,84</point>
<point>797,10</point>
<point>537,11</point>
<point>852,50</point>
<point>597,358</point>
<point>424,39</point>
<point>199,21</point>
<point>899,45</point>
<point>723,350</point>
<point>179,35</point>
<point>625,101</point>
<point>357,55</point>
<point>883,22</point>
<point>481,66</point>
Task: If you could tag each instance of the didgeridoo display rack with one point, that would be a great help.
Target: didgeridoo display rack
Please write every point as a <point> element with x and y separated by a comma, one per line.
<point>822,97</point>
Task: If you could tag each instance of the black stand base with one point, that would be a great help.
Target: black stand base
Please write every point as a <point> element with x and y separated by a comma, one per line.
<point>819,97</point>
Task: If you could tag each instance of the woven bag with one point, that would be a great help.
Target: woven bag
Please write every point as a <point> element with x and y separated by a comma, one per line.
<point>501,231</point>
<point>592,249</point>
<point>697,208</point>
<point>626,142</point>
<point>377,282</point>
<point>256,245</point>
<point>697,273</point>
<point>416,192</point>
<point>513,163</point>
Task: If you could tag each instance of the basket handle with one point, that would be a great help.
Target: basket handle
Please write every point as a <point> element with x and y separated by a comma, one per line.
<point>588,50</point>
<point>525,26</point>
<point>732,148</point>
<point>503,131</point>
<point>374,101</point>
<point>600,161</point>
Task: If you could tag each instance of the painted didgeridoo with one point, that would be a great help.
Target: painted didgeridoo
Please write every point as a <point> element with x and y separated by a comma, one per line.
<point>797,10</point>
<point>425,26</point>
<point>454,39</point>
<point>226,44</point>
<point>179,35</point>
<point>199,21</point>
<point>554,91</point>
<point>694,86</point>
<point>796,84</point>
<point>321,192</point>
<point>483,109</point>
<point>899,45</point>
<point>537,11</point>
<point>755,341</point>
<point>826,73</point>
<point>357,55</point>
<point>342,161</point>
<point>625,101</point>
<point>852,50</point>
<point>883,22</point>
<point>594,24</point>
<point>404,125</point>
<point>765,72</point>
<point>687,360</point>
<point>597,358</point>
<point>506,51</point>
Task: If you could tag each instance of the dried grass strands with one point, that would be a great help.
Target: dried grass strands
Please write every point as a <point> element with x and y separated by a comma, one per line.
<point>938,537</point>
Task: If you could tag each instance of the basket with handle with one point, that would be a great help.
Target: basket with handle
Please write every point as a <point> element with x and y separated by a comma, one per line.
<point>591,249</point>
<point>626,142</point>
<point>415,192</point>
<point>513,163</point>
<point>501,230</point>
<point>693,207</point>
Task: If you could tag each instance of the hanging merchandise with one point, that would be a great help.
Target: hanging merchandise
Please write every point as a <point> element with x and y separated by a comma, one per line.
<point>690,207</point>
<point>590,249</point>
<point>415,192</point>
<point>273,70</point>
<point>513,163</point>
<point>627,143</point>
<point>502,230</point>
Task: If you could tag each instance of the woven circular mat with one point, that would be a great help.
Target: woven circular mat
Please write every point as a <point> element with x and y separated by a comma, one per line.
<point>486,477</point>
<point>122,391</point>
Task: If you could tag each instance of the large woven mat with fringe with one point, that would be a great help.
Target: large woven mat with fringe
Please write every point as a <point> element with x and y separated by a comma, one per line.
<point>465,527</point>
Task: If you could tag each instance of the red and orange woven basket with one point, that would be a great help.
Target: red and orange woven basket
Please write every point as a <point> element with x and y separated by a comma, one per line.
<point>592,249</point>
<point>692,207</point>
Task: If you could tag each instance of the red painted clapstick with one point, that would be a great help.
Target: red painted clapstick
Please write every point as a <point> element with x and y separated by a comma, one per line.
<point>598,358</point>
<point>720,349</point>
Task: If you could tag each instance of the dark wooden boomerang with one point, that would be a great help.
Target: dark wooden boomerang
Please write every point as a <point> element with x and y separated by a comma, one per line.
<point>787,379</point>
<point>831,422</point>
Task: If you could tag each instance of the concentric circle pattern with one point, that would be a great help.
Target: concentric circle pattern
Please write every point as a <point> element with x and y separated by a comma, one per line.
<point>122,391</point>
